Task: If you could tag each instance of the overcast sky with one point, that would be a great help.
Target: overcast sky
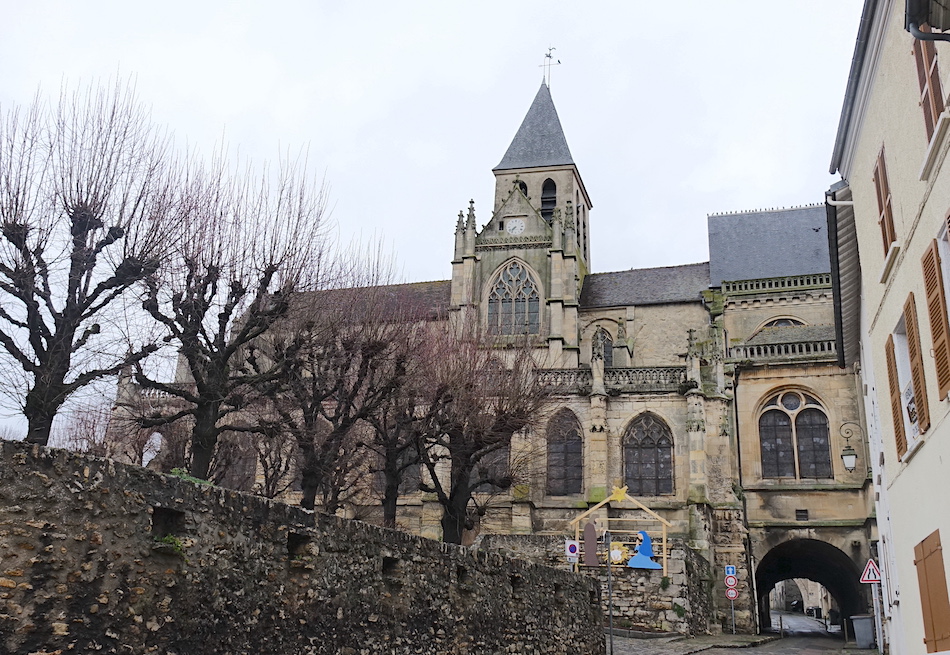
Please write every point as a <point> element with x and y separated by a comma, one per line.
<point>407,106</point>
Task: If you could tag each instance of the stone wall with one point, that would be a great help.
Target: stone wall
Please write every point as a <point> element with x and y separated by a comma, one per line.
<point>97,556</point>
<point>641,598</point>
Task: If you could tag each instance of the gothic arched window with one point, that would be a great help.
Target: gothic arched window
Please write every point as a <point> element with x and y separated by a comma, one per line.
<point>514,304</point>
<point>794,438</point>
<point>548,199</point>
<point>648,457</point>
<point>565,455</point>
<point>524,188</point>
<point>604,345</point>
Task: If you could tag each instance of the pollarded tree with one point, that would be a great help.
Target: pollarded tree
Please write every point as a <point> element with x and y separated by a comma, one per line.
<point>87,211</point>
<point>249,246</point>
<point>474,401</point>
<point>345,354</point>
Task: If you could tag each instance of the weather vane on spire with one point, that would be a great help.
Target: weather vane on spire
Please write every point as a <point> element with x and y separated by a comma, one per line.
<point>548,62</point>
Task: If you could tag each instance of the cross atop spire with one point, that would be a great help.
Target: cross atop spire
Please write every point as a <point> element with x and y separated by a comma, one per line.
<point>548,62</point>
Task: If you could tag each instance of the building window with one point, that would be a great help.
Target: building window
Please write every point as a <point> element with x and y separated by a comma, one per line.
<point>934,600</point>
<point>794,437</point>
<point>931,97</point>
<point>783,322</point>
<point>648,457</point>
<point>548,199</point>
<point>905,374</point>
<point>604,345</point>
<point>492,473</point>
<point>514,304</point>
<point>935,286</point>
<point>565,455</point>
<point>885,216</point>
<point>524,188</point>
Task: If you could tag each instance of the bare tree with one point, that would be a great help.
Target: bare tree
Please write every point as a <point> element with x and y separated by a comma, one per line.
<point>345,354</point>
<point>276,460</point>
<point>395,439</point>
<point>86,212</point>
<point>83,429</point>
<point>476,400</point>
<point>249,247</point>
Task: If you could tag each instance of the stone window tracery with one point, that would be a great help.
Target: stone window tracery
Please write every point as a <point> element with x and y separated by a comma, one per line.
<point>794,437</point>
<point>565,470</point>
<point>604,345</point>
<point>514,304</point>
<point>648,457</point>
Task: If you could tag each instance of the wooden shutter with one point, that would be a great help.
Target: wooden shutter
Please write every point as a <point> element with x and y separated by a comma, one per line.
<point>928,77</point>
<point>897,410</point>
<point>934,600</point>
<point>916,364</point>
<point>885,215</point>
<point>937,310</point>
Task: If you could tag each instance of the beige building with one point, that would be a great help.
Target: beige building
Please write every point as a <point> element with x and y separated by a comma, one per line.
<point>892,270</point>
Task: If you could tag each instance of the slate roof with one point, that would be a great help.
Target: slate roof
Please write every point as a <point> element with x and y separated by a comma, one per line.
<point>793,334</point>
<point>645,286</point>
<point>761,244</point>
<point>540,140</point>
<point>417,301</point>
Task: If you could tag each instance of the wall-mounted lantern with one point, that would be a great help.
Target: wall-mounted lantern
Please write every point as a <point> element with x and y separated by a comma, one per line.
<point>849,455</point>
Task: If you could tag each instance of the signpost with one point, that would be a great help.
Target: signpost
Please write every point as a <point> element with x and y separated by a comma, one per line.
<point>872,576</point>
<point>731,592</point>
<point>572,549</point>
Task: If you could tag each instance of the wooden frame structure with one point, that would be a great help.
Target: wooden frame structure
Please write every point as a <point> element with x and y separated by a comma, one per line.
<point>620,495</point>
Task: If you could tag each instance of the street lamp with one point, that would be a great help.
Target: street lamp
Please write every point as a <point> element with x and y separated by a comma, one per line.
<point>849,455</point>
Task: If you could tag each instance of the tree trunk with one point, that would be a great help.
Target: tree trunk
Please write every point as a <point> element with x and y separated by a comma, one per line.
<point>390,497</point>
<point>454,511</point>
<point>40,411</point>
<point>204,437</point>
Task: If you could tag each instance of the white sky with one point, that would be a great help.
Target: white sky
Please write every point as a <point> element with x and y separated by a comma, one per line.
<point>406,106</point>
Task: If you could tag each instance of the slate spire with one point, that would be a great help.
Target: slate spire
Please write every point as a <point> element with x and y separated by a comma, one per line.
<point>540,140</point>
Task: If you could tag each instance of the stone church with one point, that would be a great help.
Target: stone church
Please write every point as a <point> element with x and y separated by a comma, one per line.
<point>711,391</point>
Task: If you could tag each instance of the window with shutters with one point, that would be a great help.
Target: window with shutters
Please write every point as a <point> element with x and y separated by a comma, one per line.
<point>565,454</point>
<point>907,388</point>
<point>514,303</point>
<point>885,218</point>
<point>648,457</point>
<point>934,600</point>
<point>928,78</point>
<point>794,438</point>
<point>935,285</point>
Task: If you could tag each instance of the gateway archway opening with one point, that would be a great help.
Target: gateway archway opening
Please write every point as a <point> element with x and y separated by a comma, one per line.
<point>813,560</point>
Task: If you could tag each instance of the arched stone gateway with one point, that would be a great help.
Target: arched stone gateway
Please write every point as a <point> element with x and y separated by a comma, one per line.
<point>815,560</point>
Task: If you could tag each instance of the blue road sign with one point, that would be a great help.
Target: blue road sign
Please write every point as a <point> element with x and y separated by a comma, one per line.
<point>730,570</point>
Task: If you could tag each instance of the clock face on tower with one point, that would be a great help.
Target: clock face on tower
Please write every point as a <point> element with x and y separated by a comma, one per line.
<point>514,226</point>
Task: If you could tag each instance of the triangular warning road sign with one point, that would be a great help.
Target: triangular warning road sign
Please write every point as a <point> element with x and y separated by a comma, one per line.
<point>871,574</point>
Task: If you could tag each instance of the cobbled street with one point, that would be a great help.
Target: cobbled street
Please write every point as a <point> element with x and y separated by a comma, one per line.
<point>804,636</point>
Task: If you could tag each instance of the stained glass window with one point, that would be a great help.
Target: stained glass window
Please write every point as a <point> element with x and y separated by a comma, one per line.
<point>514,304</point>
<point>565,455</point>
<point>648,457</point>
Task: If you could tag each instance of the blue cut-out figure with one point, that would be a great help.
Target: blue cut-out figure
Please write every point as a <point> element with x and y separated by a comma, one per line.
<point>643,553</point>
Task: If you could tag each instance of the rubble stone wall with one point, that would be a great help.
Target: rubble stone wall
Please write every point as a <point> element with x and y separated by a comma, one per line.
<point>97,556</point>
<point>642,600</point>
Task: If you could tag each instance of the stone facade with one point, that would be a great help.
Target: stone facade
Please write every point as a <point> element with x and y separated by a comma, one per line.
<point>668,376</point>
<point>97,556</point>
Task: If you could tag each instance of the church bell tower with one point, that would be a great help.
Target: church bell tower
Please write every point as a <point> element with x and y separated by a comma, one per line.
<point>521,272</point>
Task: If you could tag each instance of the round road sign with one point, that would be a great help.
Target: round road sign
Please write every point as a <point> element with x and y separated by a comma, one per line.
<point>731,581</point>
<point>732,593</point>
